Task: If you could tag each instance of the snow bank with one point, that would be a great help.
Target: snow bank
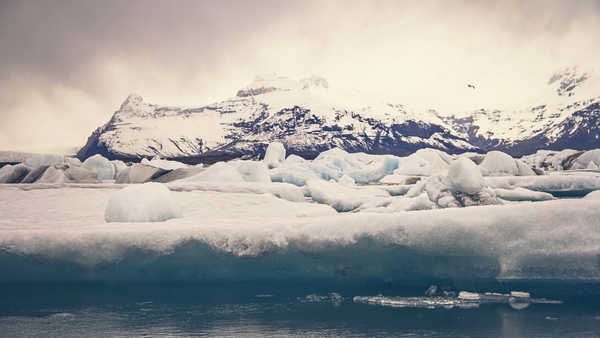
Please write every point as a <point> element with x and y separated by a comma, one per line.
<point>148,202</point>
<point>274,155</point>
<point>101,166</point>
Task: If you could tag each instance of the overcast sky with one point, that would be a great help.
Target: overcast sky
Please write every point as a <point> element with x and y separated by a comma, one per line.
<point>66,66</point>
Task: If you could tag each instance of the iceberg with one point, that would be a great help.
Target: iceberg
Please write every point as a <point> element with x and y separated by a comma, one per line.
<point>465,176</point>
<point>252,171</point>
<point>274,155</point>
<point>148,202</point>
<point>39,160</point>
<point>255,236</point>
<point>497,163</point>
<point>13,173</point>
<point>218,172</point>
<point>103,168</point>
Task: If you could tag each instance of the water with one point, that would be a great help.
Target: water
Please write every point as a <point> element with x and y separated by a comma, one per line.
<point>76,310</point>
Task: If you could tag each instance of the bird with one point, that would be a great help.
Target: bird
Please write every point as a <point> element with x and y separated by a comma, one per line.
<point>471,86</point>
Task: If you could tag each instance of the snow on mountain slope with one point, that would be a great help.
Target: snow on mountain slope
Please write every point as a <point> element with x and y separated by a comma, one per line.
<point>309,116</point>
<point>565,115</point>
<point>306,115</point>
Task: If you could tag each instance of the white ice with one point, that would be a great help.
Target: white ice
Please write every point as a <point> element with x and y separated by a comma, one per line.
<point>274,155</point>
<point>103,168</point>
<point>148,202</point>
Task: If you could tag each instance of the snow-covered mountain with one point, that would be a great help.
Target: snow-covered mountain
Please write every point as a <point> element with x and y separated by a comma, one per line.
<point>565,115</point>
<point>308,116</point>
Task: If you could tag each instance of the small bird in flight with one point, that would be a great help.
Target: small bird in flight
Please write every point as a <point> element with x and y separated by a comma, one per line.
<point>471,86</point>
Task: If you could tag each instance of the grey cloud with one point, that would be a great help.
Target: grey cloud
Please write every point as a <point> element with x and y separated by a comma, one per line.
<point>69,63</point>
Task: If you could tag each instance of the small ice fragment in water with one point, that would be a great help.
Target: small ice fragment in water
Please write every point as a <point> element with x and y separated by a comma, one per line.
<point>468,295</point>
<point>520,294</point>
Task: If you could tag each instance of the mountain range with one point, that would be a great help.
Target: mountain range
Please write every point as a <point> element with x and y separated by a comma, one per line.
<point>308,117</point>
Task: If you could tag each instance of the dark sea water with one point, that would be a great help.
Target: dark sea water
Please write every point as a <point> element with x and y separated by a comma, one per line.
<point>172,310</point>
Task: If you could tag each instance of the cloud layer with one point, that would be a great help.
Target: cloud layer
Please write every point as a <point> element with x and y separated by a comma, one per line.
<point>65,66</point>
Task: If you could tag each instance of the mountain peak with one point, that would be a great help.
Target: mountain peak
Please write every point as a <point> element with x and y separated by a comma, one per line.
<point>566,80</point>
<point>132,100</point>
<point>267,83</point>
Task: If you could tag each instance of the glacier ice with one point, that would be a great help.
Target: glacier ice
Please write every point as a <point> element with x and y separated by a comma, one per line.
<point>163,164</point>
<point>101,166</point>
<point>218,172</point>
<point>522,194</point>
<point>39,160</point>
<point>148,202</point>
<point>594,195</point>
<point>138,173</point>
<point>80,175</point>
<point>465,176</point>
<point>587,158</point>
<point>274,155</point>
<point>13,173</point>
<point>497,163</point>
<point>252,171</point>
<point>256,236</point>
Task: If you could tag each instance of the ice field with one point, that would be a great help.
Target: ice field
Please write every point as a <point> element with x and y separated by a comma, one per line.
<point>341,217</point>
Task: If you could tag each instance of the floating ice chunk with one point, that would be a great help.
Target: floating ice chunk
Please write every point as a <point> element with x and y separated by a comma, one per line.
<point>340,197</point>
<point>375,171</point>
<point>497,163</point>
<point>13,173</point>
<point>592,166</point>
<point>252,171</point>
<point>148,202</point>
<point>468,295</point>
<point>424,162</point>
<point>101,166</point>
<point>120,166</point>
<point>520,294</point>
<point>465,176</point>
<point>297,174</point>
<point>347,181</point>
<point>522,194</point>
<point>585,159</point>
<point>52,175</point>
<point>555,184</point>
<point>81,175</point>
<point>281,190</point>
<point>164,164</point>
<point>274,155</point>
<point>218,172</point>
<point>39,160</point>
<point>294,159</point>
<point>177,174</point>
<point>400,179</point>
<point>594,195</point>
<point>138,173</point>
<point>413,166</point>
<point>523,169</point>
<point>73,161</point>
